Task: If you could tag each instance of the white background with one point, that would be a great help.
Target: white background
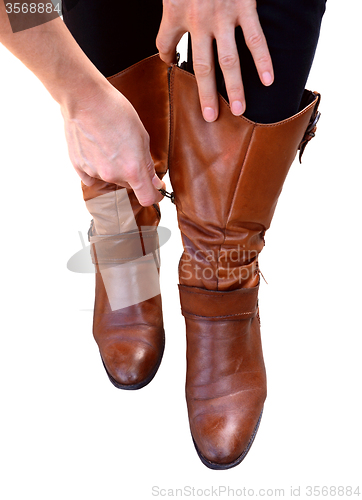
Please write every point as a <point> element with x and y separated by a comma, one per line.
<point>65,431</point>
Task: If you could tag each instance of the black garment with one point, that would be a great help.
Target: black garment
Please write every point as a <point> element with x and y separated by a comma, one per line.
<point>116,34</point>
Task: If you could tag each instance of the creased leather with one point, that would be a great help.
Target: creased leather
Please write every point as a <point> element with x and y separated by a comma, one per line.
<point>227,177</point>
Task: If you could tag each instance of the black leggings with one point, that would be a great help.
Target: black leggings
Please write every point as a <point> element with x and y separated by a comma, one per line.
<point>116,34</point>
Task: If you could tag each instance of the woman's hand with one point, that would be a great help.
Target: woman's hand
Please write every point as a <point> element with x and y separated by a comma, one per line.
<point>107,140</point>
<point>207,20</point>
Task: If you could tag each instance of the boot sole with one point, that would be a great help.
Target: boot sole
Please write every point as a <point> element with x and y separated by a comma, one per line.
<point>134,387</point>
<point>216,466</point>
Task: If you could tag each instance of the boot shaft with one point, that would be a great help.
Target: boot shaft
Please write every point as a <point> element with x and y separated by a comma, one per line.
<point>145,85</point>
<point>227,177</point>
<point>123,234</point>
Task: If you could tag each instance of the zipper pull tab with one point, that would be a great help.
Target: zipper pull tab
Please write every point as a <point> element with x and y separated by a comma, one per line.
<point>168,195</point>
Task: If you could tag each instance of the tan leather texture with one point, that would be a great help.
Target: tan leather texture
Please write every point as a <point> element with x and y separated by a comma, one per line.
<point>226,380</point>
<point>227,177</point>
<point>128,323</point>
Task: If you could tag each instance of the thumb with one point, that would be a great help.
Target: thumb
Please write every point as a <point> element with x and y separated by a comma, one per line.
<point>145,185</point>
<point>157,182</point>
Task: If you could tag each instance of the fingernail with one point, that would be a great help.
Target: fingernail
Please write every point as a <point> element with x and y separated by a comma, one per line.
<point>156,181</point>
<point>267,78</point>
<point>209,114</point>
<point>237,107</point>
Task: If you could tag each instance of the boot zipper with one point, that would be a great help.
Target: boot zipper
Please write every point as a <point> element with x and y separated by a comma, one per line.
<point>168,195</point>
<point>163,191</point>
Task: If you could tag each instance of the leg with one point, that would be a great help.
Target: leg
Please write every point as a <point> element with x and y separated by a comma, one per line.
<point>227,177</point>
<point>127,325</point>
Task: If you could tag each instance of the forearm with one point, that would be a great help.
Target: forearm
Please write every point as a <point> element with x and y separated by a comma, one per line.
<point>52,54</point>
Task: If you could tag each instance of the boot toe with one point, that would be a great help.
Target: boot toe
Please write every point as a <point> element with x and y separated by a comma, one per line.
<point>222,441</point>
<point>131,363</point>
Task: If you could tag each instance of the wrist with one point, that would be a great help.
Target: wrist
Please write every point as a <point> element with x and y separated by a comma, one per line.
<point>79,93</point>
<point>52,54</point>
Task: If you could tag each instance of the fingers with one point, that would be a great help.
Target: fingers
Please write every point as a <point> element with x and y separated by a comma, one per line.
<point>146,184</point>
<point>143,180</point>
<point>228,57</point>
<point>204,69</point>
<point>167,39</point>
<point>256,42</point>
<point>208,20</point>
<point>86,179</point>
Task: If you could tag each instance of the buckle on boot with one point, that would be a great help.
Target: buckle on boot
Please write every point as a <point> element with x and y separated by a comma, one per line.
<point>311,129</point>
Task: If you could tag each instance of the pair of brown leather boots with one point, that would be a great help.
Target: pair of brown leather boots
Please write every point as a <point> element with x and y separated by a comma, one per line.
<point>227,177</point>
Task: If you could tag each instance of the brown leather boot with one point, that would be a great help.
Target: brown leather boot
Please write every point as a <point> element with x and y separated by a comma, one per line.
<point>227,177</point>
<point>128,324</point>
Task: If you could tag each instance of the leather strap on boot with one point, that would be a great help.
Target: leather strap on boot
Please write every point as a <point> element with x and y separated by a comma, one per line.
<point>129,264</point>
<point>198,303</point>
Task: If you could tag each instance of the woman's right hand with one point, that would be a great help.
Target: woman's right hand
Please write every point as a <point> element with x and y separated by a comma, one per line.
<point>107,140</point>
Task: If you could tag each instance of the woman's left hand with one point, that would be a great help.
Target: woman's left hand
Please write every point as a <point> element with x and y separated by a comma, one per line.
<point>207,20</point>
